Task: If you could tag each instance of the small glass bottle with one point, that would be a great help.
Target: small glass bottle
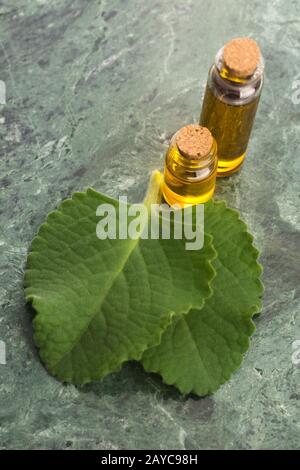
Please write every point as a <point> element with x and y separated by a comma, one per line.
<point>231,98</point>
<point>190,167</point>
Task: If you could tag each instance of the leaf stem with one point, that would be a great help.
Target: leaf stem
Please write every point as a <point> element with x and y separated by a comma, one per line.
<point>153,195</point>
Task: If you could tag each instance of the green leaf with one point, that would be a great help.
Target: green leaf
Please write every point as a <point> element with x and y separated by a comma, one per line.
<point>102,302</point>
<point>199,351</point>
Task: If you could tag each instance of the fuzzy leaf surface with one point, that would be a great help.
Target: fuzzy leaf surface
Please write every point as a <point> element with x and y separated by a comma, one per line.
<point>199,351</point>
<point>102,302</point>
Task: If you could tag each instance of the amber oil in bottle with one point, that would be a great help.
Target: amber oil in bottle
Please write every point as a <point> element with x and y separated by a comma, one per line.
<point>190,167</point>
<point>231,98</point>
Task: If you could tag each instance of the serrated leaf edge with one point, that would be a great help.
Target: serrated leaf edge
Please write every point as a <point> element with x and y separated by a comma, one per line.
<point>34,299</point>
<point>254,310</point>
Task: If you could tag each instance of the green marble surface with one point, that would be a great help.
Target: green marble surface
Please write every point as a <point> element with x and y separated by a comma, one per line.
<point>94,89</point>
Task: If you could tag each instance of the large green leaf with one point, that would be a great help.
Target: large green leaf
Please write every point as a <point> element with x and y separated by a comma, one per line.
<point>102,302</point>
<point>199,351</point>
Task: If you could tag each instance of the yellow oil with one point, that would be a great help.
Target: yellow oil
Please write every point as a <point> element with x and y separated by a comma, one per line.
<point>188,182</point>
<point>231,126</point>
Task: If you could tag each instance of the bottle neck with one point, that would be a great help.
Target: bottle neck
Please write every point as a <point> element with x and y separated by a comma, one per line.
<point>231,90</point>
<point>190,163</point>
<point>228,75</point>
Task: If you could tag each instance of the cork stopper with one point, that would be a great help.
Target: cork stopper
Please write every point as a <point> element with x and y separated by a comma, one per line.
<point>194,141</point>
<point>241,57</point>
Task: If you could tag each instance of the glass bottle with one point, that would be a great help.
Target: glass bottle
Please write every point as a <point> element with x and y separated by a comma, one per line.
<point>190,167</point>
<point>231,98</point>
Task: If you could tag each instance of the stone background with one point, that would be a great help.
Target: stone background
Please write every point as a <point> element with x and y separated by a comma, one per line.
<point>94,91</point>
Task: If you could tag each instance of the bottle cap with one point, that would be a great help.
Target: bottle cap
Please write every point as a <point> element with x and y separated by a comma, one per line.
<point>194,141</point>
<point>241,57</point>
